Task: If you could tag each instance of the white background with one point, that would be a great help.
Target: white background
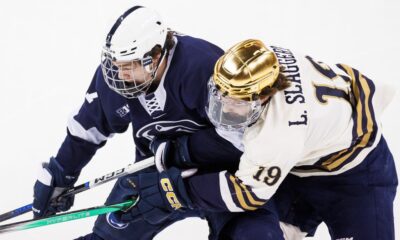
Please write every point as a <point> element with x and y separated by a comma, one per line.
<point>49,50</point>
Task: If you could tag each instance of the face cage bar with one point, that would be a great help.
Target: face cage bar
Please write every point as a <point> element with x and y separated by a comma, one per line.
<point>225,120</point>
<point>128,89</point>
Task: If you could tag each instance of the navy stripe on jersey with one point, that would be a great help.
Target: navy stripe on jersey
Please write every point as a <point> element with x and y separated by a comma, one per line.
<point>229,195</point>
<point>241,195</point>
<point>364,129</point>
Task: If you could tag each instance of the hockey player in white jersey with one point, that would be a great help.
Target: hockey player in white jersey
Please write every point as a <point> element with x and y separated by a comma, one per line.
<point>310,129</point>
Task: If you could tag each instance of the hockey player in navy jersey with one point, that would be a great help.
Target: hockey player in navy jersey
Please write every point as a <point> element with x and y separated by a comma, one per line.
<point>312,130</point>
<point>156,80</point>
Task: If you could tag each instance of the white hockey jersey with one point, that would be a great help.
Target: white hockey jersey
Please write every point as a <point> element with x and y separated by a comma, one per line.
<point>324,124</point>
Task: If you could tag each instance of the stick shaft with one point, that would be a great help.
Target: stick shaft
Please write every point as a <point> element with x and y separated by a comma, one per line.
<point>65,217</point>
<point>131,168</point>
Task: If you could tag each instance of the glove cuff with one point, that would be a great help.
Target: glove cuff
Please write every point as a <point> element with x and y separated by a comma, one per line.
<point>60,178</point>
<point>183,159</point>
<point>44,175</point>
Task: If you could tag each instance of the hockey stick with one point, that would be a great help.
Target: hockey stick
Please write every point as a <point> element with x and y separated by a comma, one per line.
<point>131,168</point>
<point>65,217</point>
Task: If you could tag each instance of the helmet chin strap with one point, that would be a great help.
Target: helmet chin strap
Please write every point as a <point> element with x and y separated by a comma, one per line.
<point>164,55</point>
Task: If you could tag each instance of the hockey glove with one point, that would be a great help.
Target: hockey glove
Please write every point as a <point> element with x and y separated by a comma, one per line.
<point>173,153</point>
<point>160,194</point>
<point>51,183</point>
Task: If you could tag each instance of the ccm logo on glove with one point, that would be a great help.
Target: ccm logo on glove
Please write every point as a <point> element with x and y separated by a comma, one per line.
<point>169,193</point>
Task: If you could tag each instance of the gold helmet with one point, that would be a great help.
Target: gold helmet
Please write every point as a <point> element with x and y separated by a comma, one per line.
<point>246,69</point>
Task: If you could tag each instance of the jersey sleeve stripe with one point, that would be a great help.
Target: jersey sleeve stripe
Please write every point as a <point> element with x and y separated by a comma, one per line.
<point>252,197</point>
<point>364,130</point>
<point>239,195</point>
<point>92,135</point>
<point>236,195</point>
<point>364,122</point>
<point>226,193</point>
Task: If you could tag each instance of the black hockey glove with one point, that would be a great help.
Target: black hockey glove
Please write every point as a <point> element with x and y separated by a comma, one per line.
<point>159,195</point>
<point>173,153</point>
<point>51,183</point>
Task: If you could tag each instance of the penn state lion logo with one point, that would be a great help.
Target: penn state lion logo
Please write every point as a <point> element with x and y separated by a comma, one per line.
<point>163,127</point>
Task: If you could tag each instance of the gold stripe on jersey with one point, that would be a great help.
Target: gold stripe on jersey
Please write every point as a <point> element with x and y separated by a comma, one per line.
<point>240,196</point>
<point>356,92</point>
<point>250,197</point>
<point>362,109</point>
<point>243,202</point>
<point>364,129</point>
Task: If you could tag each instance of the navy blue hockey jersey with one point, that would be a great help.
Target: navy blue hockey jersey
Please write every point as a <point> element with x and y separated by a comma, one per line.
<point>176,107</point>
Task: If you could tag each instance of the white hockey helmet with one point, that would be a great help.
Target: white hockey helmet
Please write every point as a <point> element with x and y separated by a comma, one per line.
<point>130,41</point>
